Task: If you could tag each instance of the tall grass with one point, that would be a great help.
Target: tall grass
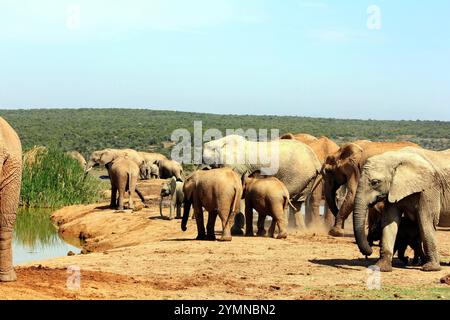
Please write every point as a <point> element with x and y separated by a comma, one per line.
<point>52,180</point>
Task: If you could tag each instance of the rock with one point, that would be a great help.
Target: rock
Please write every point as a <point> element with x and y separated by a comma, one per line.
<point>70,253</point>
<point>446,279</point>
<point>85,251</point>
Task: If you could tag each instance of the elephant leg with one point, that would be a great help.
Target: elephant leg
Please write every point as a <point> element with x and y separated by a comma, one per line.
<point>273,224</point>
<point>9,203</point>
<point>312,208</point>
<point>428,234</point>
<point>236,230</point>
<point>201,233</point>
<point>401,249</point>
<point>248,220</point>
<point>172,204</point>
<point>179,210</point>
<point>338,229</point>
<point>296,219</point>
<point>261,225</point>
<point>227,224</point>
<point>113,203</point>
<point>389,223</point>
<point>121,198</point>
<point>282,225</point>
<point>131,190</point>
<point>210,234</point>
<point>329,217</point>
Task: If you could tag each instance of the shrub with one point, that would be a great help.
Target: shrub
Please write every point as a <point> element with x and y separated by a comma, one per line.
<point>53,180</point>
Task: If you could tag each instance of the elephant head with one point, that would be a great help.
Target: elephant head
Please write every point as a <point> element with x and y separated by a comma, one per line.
<point>341,168</point>
<point>223,151</point>
<point>101,157</point>
<point>390,177</point>
<point>169,188</point>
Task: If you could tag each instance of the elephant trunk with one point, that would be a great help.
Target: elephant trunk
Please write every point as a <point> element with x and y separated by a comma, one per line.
<point>89,166</point>
<point>359,224</point>
<point>330,190</point>
<point>187,208</point>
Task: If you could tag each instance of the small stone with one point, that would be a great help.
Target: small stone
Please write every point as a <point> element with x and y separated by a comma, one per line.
<point>446,279</point>
<point>275,287</point>
<point>396,295</point>
<point>70,253</point>
<point>85,251</point>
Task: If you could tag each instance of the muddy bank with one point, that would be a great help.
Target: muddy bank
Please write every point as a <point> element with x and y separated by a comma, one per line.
<point>140,256</point>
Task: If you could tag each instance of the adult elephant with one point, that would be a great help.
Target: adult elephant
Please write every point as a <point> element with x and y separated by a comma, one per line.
<point>292,162</point>
<point>344,168</point>
<point>169,169</point>
<point>322,147</point>
<point>103,157</point>
<point>10,182</point>
<point>411,181</point>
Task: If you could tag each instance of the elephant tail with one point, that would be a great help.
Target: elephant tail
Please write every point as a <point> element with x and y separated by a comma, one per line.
<point>288,201</point>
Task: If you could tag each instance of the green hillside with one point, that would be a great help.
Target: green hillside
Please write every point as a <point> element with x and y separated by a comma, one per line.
<point>89,129</point>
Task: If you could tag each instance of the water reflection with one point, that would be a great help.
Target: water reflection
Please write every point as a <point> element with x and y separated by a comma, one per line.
<point>36,238</point>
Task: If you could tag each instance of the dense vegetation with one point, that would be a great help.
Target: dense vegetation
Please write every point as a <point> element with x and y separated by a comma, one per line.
<point>51,179</point>
<point>85,130</point>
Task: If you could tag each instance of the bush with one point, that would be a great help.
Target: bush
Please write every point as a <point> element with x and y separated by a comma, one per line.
<point>53,179</point>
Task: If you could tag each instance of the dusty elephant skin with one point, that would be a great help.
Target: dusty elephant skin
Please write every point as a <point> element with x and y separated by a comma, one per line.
<point>149,170</point>
<point>268,196</point>
<point>410,181</point>
<point>169,169</point>
<point>124,174</point>
<point>344,168</point>
<point>322,147</point>
<point>219,191</point>
<point>10,181</point>
<point>294,163</point>
<point>103,157</point>
<point>174,190</point>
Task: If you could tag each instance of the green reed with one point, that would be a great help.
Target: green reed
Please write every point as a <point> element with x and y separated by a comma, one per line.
<point>55,180</point>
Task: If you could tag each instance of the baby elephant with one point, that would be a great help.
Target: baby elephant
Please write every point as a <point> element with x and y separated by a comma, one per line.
<point>268,196</point>
<point>123,173</point>
<point>408,235</point>
<point>174,190</point>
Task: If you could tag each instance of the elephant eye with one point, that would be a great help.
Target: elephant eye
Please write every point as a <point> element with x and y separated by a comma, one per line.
<point>375,182</point>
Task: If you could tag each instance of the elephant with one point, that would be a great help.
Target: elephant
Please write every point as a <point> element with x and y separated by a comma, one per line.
<point>268,196</point>
<point>322,147</point>
<point>218,191</point>
<point>292,162</point>
<point>10,184</point>
<point>408,235</point>
<point>148,168</point>
<point>343,168</point>
<point>169,169</point>
<point>77,156</point>
<point>174,190</point>
<point>123,173</point>
<point>103,157</point>
<point>412,181</point>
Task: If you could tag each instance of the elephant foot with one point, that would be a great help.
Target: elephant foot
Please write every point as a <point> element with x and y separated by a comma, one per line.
<point>405,260</point>
<point>211,237</point>
<point>337,232</point>
<point>385,265</point>
<point>431,266</point>
<point>178,218</point>
<point>282,235</point>
<point>261,233</point>
<point>249,234</point>
<point>237,232</point>
<point>120,208</point>
<point>225,239</point>
<point>8,276</point>
<point>201,237</point>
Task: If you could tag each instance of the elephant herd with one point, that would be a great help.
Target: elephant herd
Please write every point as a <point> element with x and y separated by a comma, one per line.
<point>399,190</point>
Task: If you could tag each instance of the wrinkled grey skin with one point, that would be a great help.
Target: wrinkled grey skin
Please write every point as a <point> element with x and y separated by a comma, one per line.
<point>174,190</point>
<point>10,183</point>
<point>413,181</point>
<point>169,169</point>
<point>103,157</point>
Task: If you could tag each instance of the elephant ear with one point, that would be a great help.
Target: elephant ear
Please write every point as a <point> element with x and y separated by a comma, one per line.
<point>408,179</point>
<point>173,185</point>
<point>106,157</point>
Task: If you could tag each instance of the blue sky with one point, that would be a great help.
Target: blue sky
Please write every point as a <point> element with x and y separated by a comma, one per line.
<point>290,57</point>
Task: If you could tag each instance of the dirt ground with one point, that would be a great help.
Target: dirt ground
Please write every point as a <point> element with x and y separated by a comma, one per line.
<point>140,256</point>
